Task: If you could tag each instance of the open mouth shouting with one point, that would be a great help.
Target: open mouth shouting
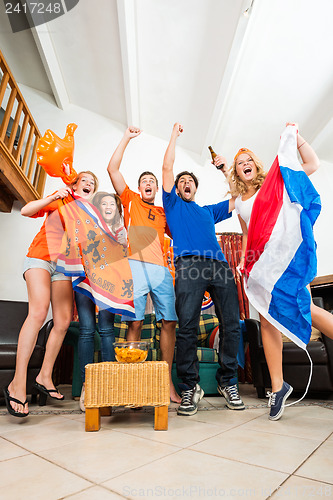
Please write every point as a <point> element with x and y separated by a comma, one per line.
<point>85,185</point>
<point>186,187</point>
<point>247,170</point>
<point>148,187</point>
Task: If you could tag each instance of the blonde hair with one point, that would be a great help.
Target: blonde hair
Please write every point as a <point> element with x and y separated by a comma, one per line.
<point>78,177</point>
<point>238,187</point>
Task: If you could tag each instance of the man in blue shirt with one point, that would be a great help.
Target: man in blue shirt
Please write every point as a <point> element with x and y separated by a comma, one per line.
<point>200,266</point>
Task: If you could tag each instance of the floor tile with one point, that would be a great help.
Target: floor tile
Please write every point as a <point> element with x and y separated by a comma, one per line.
<point>9,423</point>
<point>41,436</point>
<point>182,431</point>
<point>320,465</point>
<point>260,448</point>
<point>107,454</point>
<point>95,493</point>
<point>79,417</point>
<point>31,477</point>
<point>212,401</point>
<point>299,488</point>
<point>188,474</point>
<point>9,450</point>
<point>313,411</point>
<point>302,426</point>
<point>228,418</point>
<point>241,453</point>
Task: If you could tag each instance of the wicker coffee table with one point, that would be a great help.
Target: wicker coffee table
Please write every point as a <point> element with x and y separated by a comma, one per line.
<point>126,384</point>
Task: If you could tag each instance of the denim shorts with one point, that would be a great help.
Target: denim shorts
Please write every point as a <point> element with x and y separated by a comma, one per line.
<point>156,280</point>
<point>48,265</point>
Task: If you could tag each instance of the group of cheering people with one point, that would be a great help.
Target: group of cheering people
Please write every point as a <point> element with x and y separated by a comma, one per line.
<point>199,264</point>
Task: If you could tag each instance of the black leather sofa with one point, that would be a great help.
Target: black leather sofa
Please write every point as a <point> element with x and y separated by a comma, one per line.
<point>296,364</point>
<point>12,316</point>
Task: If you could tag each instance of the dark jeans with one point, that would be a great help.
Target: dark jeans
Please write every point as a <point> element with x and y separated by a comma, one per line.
<point>195,275</point>
<point>87,318</point>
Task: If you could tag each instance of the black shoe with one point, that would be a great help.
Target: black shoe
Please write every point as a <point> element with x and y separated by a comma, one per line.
<point>190,400</point>
<point>10,409</point>
<point>232,397</point>
<point>43,393</point>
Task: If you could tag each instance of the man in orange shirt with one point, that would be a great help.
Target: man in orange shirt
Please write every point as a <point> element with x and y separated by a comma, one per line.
<point>146,225</point>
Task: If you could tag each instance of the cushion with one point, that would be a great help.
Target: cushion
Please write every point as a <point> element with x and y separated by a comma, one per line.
<point>154,355</point>
<point>315,336</point>
<point>207,355</point>
<point>207,323</point>
<point>212,338</point>
<point>148,328</point>
<point>120,328</point>
<point>147,332</point>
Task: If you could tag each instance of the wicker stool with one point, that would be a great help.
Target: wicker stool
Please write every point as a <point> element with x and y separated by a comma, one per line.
<point>127,384</point>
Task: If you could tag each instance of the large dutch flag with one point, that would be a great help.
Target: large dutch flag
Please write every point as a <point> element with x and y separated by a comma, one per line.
<point>281,251</point>
<point>90,254</point>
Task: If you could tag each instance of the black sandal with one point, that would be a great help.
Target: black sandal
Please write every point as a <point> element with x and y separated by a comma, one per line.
<point>8,399</point>
<point>43,393</point>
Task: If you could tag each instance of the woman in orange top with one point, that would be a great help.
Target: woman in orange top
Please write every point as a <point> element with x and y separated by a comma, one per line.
<point>44,285</point>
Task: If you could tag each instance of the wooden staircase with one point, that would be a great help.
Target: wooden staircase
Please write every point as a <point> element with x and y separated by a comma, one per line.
<point>21,178</point>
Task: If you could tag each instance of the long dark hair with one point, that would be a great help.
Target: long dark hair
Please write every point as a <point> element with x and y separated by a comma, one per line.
<point>97,200</point>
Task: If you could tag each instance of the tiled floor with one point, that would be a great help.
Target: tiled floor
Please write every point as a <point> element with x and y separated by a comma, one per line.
<point>217,453</point>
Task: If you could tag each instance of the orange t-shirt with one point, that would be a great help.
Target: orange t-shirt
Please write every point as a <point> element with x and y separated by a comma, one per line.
<point>146,225</point>
<point>47,241</point>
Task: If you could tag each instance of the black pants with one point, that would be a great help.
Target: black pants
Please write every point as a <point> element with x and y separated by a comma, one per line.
<point>195,275</point>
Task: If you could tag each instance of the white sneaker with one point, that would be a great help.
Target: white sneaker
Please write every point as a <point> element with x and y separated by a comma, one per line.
<point>190,400</point>
<point>232,397</point>
<point>82,407</point>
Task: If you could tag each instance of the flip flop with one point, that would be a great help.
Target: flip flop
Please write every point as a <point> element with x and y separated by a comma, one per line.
<point>42,389</point>
<point>8,399</point>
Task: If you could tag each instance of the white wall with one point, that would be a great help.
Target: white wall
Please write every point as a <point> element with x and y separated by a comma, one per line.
<point>95,140</point>
<point>323,182</point>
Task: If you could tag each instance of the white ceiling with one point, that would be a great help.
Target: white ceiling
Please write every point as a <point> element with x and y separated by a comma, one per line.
<point>231,80</point>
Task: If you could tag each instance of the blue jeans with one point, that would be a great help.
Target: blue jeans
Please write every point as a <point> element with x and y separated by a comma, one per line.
<point>195,275</point>
<point>87,318</point>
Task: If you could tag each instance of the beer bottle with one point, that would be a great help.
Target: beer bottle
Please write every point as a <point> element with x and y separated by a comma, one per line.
<point>213,155</point>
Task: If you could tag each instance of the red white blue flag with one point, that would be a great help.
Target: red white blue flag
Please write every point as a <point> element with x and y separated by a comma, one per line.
<point>92,256</point>
<point>280,256</point>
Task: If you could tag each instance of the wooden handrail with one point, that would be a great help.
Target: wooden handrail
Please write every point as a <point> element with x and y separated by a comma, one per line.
<point>19,135</point>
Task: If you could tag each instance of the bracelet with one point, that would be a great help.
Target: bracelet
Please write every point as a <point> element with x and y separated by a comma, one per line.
<point>301,145</point>
<point>243,257</point>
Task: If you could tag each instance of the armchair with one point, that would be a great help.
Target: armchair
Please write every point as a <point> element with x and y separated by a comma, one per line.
<point>12,316</point>
<point>296,365</point>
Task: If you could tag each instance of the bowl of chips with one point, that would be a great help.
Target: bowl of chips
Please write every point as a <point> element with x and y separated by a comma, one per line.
<point>131,352</point>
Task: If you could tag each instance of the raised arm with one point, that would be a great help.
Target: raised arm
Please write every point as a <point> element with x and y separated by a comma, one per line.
<point>33,207</point>
<point>116,177</point>
<point>169,159</point>
<point>218,161</point>
<point>309,157</point>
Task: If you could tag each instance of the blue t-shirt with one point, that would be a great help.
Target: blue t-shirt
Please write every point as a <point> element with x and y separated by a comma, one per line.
<point>193,227</point>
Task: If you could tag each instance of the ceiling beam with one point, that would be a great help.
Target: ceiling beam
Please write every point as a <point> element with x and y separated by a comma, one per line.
<point>128,44</point>
<point>51,65</point>
<point>232,65</point>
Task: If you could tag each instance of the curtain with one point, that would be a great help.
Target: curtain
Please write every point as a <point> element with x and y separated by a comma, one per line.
<point>231,244</point>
